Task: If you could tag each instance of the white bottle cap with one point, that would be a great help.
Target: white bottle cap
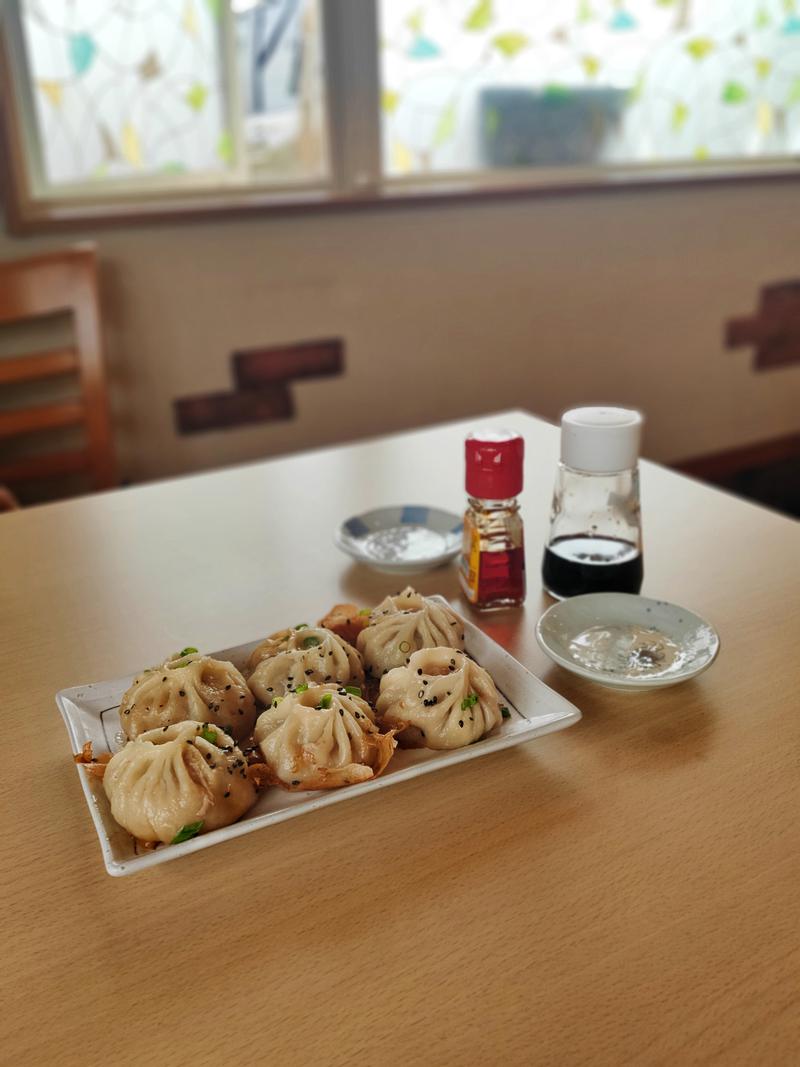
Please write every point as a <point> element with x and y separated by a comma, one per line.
<point>600,440</point>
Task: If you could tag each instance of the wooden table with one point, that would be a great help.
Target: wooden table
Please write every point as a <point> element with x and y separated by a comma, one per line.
<point>624,892</point>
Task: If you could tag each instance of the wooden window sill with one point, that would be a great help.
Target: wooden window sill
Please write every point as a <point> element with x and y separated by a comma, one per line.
<point>42,216</point>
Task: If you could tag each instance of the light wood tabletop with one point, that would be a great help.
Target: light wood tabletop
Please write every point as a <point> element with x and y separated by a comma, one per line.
<point>624,892</point>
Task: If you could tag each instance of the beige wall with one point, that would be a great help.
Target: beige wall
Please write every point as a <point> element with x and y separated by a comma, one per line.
<point>452,311</point>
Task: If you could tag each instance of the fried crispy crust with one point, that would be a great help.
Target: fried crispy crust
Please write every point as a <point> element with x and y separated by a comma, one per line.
<point>95,767</point>
<point>259,774</point>
<point>345,620</point>
<point>145,846</point>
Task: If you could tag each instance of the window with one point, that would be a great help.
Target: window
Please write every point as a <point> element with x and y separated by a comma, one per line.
<point>121,106</point>
<point>161,92</point>
<point>501,84</point>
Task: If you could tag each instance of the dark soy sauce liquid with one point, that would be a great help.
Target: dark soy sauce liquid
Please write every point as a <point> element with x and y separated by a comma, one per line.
<point>582,564</point>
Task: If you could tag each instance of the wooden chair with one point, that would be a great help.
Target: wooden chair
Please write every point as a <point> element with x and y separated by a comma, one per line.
<point>45,285</point>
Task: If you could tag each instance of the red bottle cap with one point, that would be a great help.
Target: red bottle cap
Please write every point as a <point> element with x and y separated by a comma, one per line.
<point>494,464</point>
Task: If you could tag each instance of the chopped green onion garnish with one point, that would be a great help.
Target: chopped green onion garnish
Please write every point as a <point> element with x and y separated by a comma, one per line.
<point>301,626</point>
<point>301,688</point>
<point>276,701</point>
<point>188,651</point>
<point>365,611</point>
<point>191,829</point>
<point>354,689</point>
<point>467,702</point>
<point>505,712</point>
<point>209,735</point>
<point>326,701</point>
<point>310,641</point>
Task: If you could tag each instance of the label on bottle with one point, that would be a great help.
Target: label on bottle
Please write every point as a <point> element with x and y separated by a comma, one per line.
<point>471,560</point>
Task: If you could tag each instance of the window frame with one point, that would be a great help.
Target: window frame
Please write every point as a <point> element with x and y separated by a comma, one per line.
<point>353,129</point>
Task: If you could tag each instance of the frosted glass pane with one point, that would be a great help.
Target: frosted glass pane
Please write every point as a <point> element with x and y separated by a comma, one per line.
<point>127,89</point>
<point>473,84</point>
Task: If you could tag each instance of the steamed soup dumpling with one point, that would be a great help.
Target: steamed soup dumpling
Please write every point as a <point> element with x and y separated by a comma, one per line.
<point>192,687</point>
<point>301,656</point>
<point>403,624</point>
<point>175,777</point>
<point>322,738</point>
<point>440,699</point>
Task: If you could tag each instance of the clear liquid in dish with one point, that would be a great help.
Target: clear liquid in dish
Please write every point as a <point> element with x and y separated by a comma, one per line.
<point>632,651</point>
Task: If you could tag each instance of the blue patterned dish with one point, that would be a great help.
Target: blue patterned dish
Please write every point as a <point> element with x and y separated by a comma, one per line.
<point>401,540</point>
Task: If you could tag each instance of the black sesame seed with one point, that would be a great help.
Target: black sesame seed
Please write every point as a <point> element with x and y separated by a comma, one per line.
<point>461,723</point>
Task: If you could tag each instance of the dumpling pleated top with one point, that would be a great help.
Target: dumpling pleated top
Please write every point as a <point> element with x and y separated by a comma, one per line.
<point>401,625</point>
<point>301,656</point>
<point>175,777</point>
<point>322,738</point>
<point>189,687</point>
<point>439,699</point>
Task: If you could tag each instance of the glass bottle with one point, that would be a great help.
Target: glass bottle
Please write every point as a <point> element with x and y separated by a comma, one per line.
<point>595,540</point>
<point>493,554</point>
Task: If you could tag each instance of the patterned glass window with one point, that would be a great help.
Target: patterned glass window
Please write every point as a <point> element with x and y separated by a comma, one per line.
<point>475,84</point>
<point>166,92</point>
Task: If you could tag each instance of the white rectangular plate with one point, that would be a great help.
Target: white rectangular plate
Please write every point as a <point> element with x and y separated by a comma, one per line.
<point>91,714</point>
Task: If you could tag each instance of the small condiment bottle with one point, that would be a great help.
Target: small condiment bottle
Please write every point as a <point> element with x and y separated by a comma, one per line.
<point>492,567</point>
<point>595,540</point>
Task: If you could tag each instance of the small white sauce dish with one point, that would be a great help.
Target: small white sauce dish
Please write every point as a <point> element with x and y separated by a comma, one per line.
<point>627,642</point>
<point>407,539</point>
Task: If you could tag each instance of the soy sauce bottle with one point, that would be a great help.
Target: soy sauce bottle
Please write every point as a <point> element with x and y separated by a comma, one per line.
<point>595,540</point>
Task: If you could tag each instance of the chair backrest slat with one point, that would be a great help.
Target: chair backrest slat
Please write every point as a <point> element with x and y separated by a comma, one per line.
<point>49,465</point>
<point>50,364</point>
